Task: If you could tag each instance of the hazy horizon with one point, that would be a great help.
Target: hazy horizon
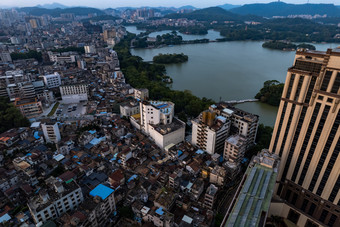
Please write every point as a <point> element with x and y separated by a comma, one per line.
<point>151,3</point>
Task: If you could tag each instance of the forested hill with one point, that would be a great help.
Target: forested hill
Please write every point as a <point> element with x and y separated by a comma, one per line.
<point>284,9</point>
<point>210,14</point>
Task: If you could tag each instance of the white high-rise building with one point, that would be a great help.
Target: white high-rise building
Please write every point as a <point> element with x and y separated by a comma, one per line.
<point>209,132</point>
<point>157,119</point>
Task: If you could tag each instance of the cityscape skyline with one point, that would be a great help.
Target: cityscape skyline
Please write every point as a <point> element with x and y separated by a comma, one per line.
<point>166,116</point>
<point>151,3</point>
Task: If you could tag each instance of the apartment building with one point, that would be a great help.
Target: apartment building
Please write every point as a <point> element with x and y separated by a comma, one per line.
<point>52,80</point>
<point>54,201</point>
<point>30,108</point>
<point>210,196</point>
<point>307,138</point>
<point>157,120</point>
<point>210,131</point>
<point>51,131</point>
<point>242,122</point>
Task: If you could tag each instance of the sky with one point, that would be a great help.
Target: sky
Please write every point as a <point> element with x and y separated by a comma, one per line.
<point>139,3</point>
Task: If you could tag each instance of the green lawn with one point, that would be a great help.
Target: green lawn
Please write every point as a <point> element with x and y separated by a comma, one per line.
<point>55,107</point>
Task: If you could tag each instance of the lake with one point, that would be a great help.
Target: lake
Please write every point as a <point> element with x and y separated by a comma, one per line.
<point>227,70</point>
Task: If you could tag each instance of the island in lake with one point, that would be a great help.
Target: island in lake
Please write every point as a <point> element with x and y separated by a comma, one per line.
<point>280,45</point>
<point>170,58</point>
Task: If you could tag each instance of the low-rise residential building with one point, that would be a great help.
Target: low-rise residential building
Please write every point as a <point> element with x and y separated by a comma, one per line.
<point>52,202</point>
<point>218,175</point>
<point>100,207</point>
<point>128,109</point>
<point>210,196</point>
<point>141,94</point>
<point>30,108</point>
<point>234,149</point>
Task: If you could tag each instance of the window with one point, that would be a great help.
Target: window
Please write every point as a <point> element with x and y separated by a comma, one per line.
<point>293,216</point>
<point>288,194</point>
<point>323,216</point>
<point>329,100</point>
<point>309,223</point>
<point>320,97</point>
<point>311,209</point>
<point>290,86</point>
<point>336,84</point>
<point>332,220</point>
<point>326,80</point>
<point>304,205</point>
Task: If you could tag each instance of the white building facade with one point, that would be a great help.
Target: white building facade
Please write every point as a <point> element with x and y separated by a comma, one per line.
<point>74,93</point>
<point>52,80</point>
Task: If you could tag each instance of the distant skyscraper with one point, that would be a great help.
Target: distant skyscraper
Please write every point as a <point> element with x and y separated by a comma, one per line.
<point>306,137</point>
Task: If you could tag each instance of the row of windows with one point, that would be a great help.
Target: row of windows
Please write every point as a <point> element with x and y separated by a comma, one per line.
<point>294,142</point>
<point>310,89</point>
<point>314,143</point>
<point>312,207</point>
<point>298,89</point>
<point>280,125</point>
<point>325,153</point>
<point>326,80</point>
<point>306,139</point>
<point>308,66</point>
<point>329,168</point>
<point>290,86</point>
<point>287,130</point>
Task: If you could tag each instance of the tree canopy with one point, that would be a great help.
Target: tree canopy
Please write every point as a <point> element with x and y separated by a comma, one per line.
<point>271,92</point>
<point>10,116</point>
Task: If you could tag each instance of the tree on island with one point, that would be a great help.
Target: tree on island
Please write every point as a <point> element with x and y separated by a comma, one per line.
<point>271,92</point>
<point>170,58</point>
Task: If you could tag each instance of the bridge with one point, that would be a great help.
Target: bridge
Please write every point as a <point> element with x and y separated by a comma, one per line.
<point>241,101</point>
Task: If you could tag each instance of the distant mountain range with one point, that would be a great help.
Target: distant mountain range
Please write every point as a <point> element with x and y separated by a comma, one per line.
<point>213,14</point>
<point>284,9</point>
<point>53,5</point>
<point>218,13</point>
<point>228,6</point>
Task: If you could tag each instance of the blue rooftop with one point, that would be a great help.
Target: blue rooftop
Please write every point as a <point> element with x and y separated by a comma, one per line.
<point>92,131</point>
<point>199,152</point>
<point>179,153</point>
<point>102,191</point>
<point>36,135</point>
<point>132,178</point>
<point>160,211</point>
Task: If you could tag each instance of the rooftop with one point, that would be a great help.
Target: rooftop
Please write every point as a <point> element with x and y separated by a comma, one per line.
<point>255,196</point>
<point>164,107</point>
<point>102,191</point>
<point>168,128</point>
